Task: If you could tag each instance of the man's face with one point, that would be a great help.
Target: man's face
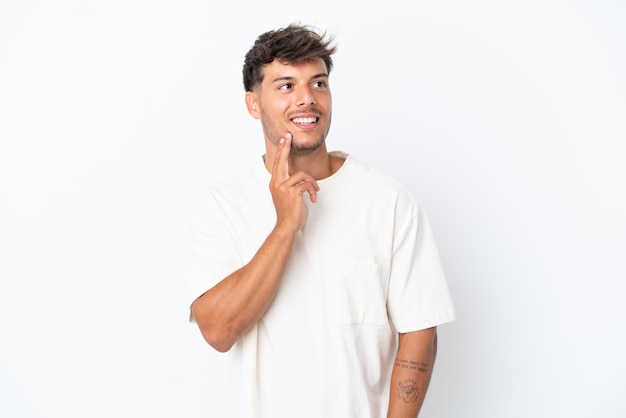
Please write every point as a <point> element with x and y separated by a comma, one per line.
<point>295,99</point>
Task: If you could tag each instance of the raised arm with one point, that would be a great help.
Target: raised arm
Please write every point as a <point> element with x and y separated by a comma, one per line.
<point>411,372</point>
<point>226,311</point>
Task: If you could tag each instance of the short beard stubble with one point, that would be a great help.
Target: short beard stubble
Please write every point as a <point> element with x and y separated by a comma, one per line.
<point>297,149</point>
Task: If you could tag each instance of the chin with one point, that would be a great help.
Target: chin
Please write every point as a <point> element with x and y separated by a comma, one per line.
<point>301,149</point>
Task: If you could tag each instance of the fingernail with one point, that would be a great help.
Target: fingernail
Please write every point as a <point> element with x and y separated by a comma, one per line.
<point>281,141</point>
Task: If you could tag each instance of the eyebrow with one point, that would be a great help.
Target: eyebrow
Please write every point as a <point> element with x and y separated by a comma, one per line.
<point>289,78</point>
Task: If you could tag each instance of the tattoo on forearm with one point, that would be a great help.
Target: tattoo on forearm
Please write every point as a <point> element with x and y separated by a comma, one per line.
<point>408,390</point>
<point>412,365</point>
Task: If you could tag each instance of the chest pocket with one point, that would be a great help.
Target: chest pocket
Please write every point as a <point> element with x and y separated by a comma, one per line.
<point>361,293</point>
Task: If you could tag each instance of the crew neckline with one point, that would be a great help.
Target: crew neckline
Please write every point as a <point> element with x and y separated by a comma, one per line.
<point>264,176</point>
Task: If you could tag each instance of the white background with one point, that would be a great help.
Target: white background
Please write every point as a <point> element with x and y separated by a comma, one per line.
<point>506,119</point>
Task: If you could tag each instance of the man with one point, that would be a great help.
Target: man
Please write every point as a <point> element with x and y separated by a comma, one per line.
<point>326,287</point>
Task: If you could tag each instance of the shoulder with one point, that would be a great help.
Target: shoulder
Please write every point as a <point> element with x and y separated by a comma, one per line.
<point>232,190</point>
<point>371,187</point>
<point>380,181</point>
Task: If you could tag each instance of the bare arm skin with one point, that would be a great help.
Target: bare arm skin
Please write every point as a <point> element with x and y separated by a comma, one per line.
<point>229,309</point>
<point>411,372</point>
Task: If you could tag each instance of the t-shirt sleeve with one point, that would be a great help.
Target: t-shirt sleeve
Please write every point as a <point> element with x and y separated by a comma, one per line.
<point>418,296</point>
<point>210,254</point>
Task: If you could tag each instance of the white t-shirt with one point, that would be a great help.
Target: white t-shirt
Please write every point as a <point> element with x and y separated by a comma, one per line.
<point>363,268</point>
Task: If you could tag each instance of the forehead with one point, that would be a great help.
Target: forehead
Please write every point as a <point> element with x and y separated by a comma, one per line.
<point>301,70</point>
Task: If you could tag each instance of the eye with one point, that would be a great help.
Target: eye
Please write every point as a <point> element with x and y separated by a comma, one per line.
<point>320,84</point>
<point>285,86</point>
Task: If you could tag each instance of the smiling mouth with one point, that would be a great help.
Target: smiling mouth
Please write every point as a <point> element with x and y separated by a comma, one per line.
<point>304,121</point>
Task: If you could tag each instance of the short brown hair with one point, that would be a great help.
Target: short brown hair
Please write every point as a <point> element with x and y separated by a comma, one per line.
<point>292,45</point>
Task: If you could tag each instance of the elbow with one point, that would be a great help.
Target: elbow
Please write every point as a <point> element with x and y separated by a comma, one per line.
<point>216,331</point>
<point>218,340</point>
<point>216,335</point>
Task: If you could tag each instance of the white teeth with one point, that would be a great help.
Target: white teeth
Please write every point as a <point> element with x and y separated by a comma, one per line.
<point>304,120</point>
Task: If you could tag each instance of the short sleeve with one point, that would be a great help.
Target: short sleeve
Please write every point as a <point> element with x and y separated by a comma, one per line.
<point>211,255</point>
<point>418,296</point>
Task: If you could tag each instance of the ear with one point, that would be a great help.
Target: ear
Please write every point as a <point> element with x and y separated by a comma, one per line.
<point>252,103</point>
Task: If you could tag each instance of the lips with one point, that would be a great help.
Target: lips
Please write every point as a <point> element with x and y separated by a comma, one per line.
<point>304,121</point>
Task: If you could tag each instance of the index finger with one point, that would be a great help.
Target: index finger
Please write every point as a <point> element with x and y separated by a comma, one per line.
<point>281,160</point>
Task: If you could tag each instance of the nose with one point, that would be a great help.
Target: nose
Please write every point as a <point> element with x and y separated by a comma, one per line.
<point>306,97</point>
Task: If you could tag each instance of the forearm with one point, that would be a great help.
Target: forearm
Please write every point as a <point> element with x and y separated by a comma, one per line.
<point>411,373</point>
<point>229,309</point>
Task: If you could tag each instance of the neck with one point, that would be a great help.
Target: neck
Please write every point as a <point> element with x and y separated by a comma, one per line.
<point>318,164</point>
